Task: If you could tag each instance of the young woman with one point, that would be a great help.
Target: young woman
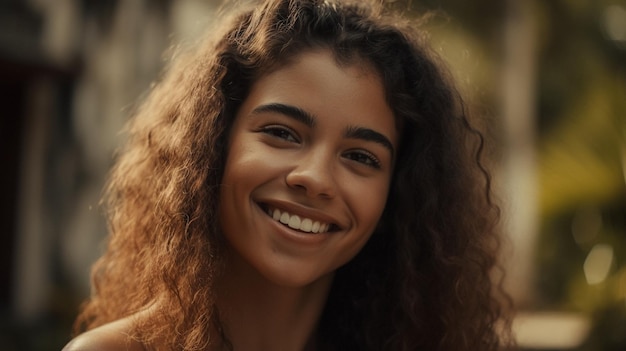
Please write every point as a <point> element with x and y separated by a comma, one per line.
<point>307,180</point>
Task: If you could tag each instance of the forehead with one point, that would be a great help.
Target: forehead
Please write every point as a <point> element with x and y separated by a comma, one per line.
<point>317,82</point>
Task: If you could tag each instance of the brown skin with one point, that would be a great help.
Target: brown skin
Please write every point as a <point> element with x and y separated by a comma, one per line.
<point>315,172</point>
<point>111,336</point>
<point>277,278</point>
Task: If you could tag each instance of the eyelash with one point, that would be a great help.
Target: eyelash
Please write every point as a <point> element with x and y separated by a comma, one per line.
<point>280,132</point>
<point>285,134</point>
<point>370,159</point>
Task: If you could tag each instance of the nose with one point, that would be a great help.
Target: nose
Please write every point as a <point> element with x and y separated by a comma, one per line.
<point>313,174</point>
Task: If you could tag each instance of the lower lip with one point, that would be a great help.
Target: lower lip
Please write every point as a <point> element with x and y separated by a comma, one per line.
<point>297,236</point>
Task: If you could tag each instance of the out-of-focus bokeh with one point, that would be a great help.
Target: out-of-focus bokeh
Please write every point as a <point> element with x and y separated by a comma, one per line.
<point>546,79</point>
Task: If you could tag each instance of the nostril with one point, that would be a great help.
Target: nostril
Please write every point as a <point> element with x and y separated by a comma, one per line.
<point>296,182</point>
<point>297,186</point>
<point>315,184</point>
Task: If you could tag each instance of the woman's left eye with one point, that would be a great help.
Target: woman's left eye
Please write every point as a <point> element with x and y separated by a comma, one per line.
<point>363,157</point>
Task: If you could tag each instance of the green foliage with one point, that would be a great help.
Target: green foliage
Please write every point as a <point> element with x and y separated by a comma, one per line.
<point>580,141</point>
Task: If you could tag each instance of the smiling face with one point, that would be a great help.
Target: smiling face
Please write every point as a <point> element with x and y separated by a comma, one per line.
<point>309,163</point>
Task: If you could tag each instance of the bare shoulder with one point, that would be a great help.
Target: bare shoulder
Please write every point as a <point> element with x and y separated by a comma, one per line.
<point>108,337</point>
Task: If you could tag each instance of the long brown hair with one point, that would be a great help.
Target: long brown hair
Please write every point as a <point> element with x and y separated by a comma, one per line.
<point>423,280</point>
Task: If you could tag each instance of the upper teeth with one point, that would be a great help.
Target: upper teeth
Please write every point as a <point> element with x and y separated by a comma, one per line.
<point>299,223</point>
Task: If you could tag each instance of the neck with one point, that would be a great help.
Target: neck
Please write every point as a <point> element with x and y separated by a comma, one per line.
<point>258,315</point>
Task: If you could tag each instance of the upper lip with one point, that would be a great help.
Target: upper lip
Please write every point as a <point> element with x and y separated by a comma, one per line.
<point>302,211</point>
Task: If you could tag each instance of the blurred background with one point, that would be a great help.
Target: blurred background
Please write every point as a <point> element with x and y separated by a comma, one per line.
<point>546,79</point>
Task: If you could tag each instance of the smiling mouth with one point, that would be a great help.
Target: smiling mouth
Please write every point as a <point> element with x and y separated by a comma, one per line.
<point>303,224</point>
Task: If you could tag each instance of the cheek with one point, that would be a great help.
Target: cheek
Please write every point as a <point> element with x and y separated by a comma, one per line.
<point>368,202</point>
<point>235,183</point>
<point>241,158</point>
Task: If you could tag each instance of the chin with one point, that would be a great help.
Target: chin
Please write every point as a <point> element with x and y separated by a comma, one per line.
<point>295,279</point>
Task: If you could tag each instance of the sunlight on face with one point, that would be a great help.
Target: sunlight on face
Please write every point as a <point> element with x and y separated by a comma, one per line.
<point>308,170</point>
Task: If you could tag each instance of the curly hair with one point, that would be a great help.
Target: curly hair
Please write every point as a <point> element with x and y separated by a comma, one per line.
<point>422,282</point>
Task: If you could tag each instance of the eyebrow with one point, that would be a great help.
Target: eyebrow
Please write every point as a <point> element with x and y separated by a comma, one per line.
<point>352,132</point>
<point>289,111</point>
<point>367,134</point>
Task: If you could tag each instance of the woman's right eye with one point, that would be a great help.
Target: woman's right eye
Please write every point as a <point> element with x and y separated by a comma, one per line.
<point>281,132</point>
